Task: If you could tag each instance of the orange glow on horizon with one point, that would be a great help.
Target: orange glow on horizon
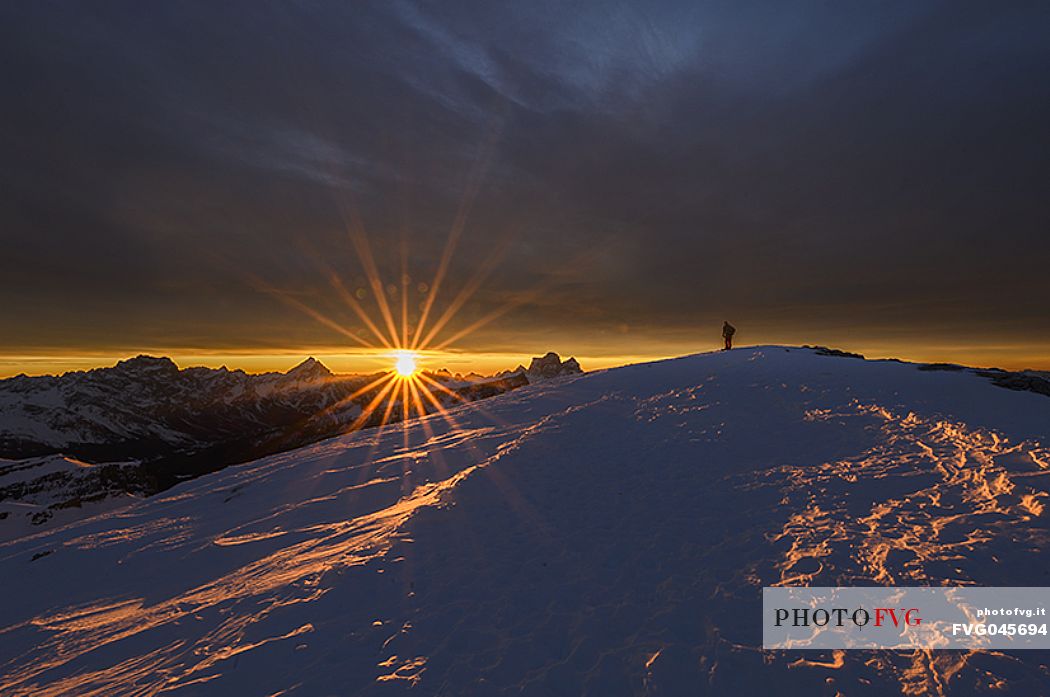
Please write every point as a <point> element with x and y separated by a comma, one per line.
<point>342,360</point>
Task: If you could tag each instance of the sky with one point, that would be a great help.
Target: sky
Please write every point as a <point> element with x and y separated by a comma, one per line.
<point>607,180</point>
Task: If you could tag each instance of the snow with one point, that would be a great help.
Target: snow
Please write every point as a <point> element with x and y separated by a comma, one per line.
<point>603,534</point>
<point>18,521</point>
<point>17,471</point>
<point>51,490</point>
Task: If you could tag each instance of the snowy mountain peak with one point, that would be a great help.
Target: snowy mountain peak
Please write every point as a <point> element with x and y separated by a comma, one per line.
<point>311,368</point>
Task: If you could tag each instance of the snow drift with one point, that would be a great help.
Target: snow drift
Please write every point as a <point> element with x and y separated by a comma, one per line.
<point>604,534</point>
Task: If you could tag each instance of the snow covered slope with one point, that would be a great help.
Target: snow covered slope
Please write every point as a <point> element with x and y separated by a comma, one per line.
<point>606,534</point>
<point>57,490</point>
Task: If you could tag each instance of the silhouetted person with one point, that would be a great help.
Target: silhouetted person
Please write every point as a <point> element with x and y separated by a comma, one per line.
<point>728,330</point>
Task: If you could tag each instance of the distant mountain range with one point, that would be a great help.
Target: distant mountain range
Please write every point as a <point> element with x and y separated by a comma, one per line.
<point>145,424</point>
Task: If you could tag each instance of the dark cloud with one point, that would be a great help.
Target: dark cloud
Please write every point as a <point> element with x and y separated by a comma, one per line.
<point>655,166</point>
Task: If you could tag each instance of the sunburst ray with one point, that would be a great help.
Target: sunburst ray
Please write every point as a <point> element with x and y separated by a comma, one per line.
<point>474,181</point>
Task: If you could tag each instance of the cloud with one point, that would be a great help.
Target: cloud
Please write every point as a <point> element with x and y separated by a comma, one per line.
<point>856,168</point>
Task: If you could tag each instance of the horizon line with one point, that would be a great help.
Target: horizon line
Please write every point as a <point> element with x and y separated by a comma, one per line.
<point>367,362</point>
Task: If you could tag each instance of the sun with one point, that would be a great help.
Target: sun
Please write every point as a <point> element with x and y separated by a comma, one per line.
<point>405,364</point>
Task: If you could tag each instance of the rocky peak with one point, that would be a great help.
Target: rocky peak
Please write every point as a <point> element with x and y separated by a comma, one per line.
<point>310,369</point>
<point>552,366</point>
<point>146,364</point>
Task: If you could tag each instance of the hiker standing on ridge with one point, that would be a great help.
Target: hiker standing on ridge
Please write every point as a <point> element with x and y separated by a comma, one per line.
<point>728,330</point>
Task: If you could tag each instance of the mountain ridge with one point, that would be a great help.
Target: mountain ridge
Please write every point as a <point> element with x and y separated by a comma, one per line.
<point>161,424</point>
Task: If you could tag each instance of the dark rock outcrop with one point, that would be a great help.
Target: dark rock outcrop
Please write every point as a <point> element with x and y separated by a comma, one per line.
<point>825,351</point>
<point>1022,381</point>
<point>551,366</point>
<point>940,366</point>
